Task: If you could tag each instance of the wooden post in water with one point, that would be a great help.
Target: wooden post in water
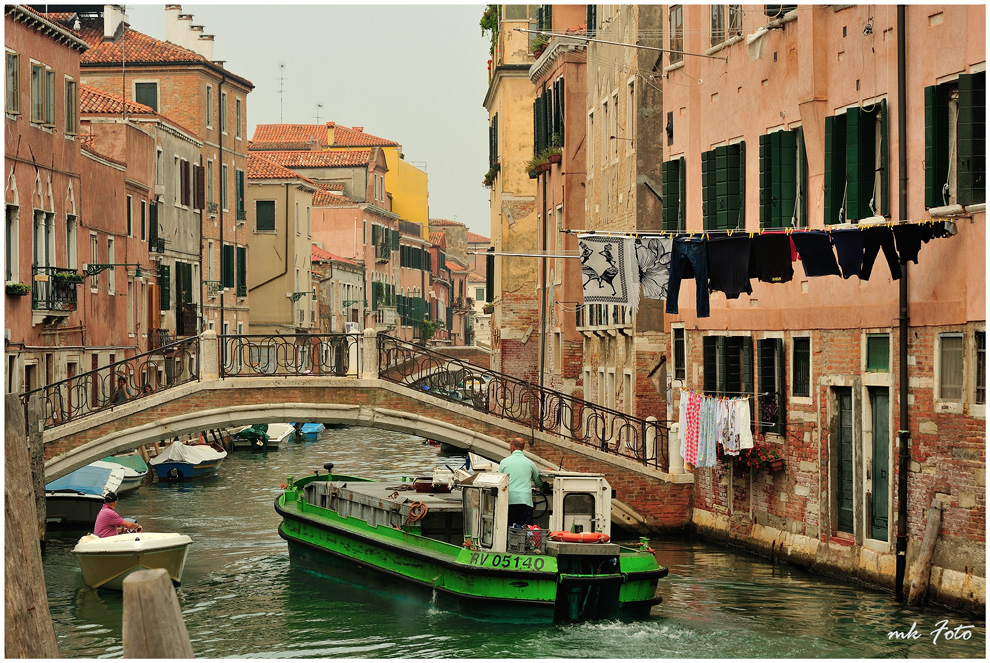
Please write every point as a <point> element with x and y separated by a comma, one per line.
<point>923,566</point>
<point>153,626</point>
<point>36,451</point>
<point>28,628</point>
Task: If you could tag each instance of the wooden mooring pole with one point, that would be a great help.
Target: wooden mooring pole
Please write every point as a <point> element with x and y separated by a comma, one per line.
<point>923,566</point>
<point>28,628</point>
<point>153,626</point>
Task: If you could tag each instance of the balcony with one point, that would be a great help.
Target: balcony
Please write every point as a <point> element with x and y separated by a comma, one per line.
<point>386,316</point>
<point>54,289</point>
<point>212,208</point>
<point>213,288</point>
<point>604,319</point>
<point>242,215</point>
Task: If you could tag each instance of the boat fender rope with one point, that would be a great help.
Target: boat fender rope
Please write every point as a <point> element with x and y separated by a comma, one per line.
<point>417,511</point>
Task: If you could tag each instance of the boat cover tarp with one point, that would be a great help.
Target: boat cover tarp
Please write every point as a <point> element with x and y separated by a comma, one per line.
<point>177,452</point>
<point>254,432</point>
<point>89,480</point>
<point>134,462</point>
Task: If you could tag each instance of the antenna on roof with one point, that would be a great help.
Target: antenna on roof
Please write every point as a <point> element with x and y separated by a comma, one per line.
<point>281,89</point>
<point>318,107</point>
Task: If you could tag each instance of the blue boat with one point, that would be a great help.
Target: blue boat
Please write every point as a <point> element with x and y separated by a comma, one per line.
<point>308,431</point>
<point>76,499</point>
<point>188,461</point>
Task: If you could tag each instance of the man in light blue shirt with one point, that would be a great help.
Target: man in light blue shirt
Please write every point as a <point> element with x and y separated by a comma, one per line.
<point>522,474</point>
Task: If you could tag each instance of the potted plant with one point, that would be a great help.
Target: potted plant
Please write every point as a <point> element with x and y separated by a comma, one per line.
<point>761,456</point>
<point>539,45</point>
<point>69,277</point>
<point>489,24</point>
<point>17,289</point>
<point>488,308</point>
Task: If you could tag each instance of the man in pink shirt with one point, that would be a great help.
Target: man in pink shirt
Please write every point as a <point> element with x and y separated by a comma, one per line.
<point>109,522</point>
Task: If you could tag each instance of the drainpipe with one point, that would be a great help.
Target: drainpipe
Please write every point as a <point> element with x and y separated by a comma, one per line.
<point>221,122</point>
<point>543,280</point>
<point>903,434</point>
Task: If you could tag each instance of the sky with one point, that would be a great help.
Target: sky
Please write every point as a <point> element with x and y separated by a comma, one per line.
<point>415,74</point>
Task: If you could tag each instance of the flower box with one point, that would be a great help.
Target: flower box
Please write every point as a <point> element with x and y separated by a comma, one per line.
<point>18,289</point>
<point>555,158</point>
<point>775,465</point>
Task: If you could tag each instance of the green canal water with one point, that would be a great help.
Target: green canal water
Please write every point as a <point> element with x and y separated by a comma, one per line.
<point>241,598</point>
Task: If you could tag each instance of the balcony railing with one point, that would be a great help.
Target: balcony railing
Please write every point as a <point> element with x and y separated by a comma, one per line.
<point>242,215</point>
<point>120,382</point>
<point>213,288</point>
<point>55,289</point>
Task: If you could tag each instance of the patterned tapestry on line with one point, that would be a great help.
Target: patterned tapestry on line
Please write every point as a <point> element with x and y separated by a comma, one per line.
<point>653,259</point>
<point>609,270</point>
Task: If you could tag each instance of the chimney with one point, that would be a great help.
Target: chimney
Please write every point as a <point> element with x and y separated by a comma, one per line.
<point>330,131</point>
<point>205,46</point>
<point>113,16</point>
<point>172,23</point>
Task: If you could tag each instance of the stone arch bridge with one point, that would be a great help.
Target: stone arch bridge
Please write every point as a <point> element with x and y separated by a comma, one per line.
<point>360,380</point>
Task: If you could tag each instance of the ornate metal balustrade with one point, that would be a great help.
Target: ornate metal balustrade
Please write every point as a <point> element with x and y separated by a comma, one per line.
<point>290,354</point>
<point>545,410</point>
<point>55,288</point>
<point>120,382</point>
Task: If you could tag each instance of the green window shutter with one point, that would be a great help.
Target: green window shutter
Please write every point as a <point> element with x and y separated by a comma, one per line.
<point>239,179</point>
<point>241,271</point>
<point>884,207</point>
<point>710,358</point>
<point>681,194</point>
<point>802,180</point>
<point>788,178</point>
<point>708,201</point>
<point>264,216</point>
<point>669,182</point>
<point>227,265</point>
<point>835,167</point>
<point>495,140</point>
<point>722,187</point>
<point>766,181</point>
<point>165,287</point>
<point>857,170</point>
<point>184,283</point>
<point>489,276</point>
<point>971,139</point>
<point>541,141</point>
<point>536,124</point>
<point>374,235</point>
<point>374,295</point>
<point>560,112</point>
<point>737,185</point>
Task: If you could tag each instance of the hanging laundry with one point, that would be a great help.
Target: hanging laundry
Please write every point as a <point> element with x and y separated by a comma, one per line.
<point>609,270</point>
<point>907,237</point>
<point>849,251</point>
<point>689,256</point>
<point>691,418</point>
<point>653,259</point>
<point>875,239</point>
<point>770,258</point>
<point>817,254</point>
<point>708,432</point>
<point>742,425</point>
<point>728,265</point>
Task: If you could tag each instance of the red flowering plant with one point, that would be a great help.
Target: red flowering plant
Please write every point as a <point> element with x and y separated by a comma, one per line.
<point>760,457</point>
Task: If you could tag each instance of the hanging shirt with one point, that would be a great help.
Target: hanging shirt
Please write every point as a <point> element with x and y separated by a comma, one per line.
<point>817,254</point>
<point>875,239</point>
<point>770,258</point>
<point>728,265</point>
<point>742,424</point>
<point>907,237</point>
<point>849,251</point>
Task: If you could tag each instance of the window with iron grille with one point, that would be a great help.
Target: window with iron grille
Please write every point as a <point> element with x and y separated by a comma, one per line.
<point>950,373</point>
<point>981,368</point>
<point>770,360</point>
<point>728,365</point>
<point>856,164</point>
<point>955,142</point>
<point>801,367</point>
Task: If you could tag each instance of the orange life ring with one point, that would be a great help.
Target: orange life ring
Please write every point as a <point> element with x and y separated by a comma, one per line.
<point>579,537</point>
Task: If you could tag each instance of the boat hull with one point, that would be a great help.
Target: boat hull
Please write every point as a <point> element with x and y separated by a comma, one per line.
<point>484,585</point>
<point>186,470</point>
<point>72,509</point>
<point>105,563</point>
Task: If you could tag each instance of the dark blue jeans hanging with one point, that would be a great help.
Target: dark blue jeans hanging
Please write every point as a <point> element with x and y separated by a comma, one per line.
<point>688,256</point>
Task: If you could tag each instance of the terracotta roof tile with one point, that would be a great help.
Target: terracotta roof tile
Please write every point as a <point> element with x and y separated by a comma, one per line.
<point>445,222</point>
<point>323,254</point>
<point>453,266</point>
<point>439,239</point>
<point>331,186</point>
<point>260,168</point>
<point>475,238</point>
<point>304,159</point>
<point>327,199</point>
<point>96,101</point>
<point>475,277</point>
<point>312,137</point>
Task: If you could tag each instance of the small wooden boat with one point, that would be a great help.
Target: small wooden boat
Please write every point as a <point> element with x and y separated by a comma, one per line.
<point>262,437</point>
<point>188,461</point>
<point>452,544</point>
<point>76,499</point>
<point>135,471</point>
<point>106,562</point>
<point>308,431</point>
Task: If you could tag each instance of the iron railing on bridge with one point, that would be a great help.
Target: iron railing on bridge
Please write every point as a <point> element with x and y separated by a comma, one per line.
<point>117,383</point>
<point>290,354</point>
<point>542,409</point>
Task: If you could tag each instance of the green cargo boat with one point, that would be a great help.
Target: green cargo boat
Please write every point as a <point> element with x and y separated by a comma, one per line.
<point>449,543</point>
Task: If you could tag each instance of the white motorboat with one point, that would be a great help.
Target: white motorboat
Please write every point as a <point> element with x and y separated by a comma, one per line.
<point>135,471</point>
<point>75,500</point>
<point>105,562</point>
<point>188,461</point>
<point>262,437</point>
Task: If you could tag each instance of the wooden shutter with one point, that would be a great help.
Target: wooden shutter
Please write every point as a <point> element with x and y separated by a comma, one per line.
<point>766,181</point>
<point>835,167</point>
<point>858,170</point>
<point>227,265</point>
<point>708,201</point>
<point>374,295</point>
<point>710,359</point>
<point>490,276</point>
<point>971,139</point>
<point>165,286</point>
<point>184,188</point>
<point>239,179</point>
<point>495,141</point>
<point>733,186</point>
<point>199,177</point>
<point>560,111</point>
<point>153,227</point>
<point>788,178</point>
<point>770,363</point>
<point>802,179</point>
<point>183,282</point>
<point>668,187</point>
<point>884,204</point>
<point>241,271</point>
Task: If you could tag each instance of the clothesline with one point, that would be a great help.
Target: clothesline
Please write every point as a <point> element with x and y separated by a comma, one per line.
<point>837,227</point>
